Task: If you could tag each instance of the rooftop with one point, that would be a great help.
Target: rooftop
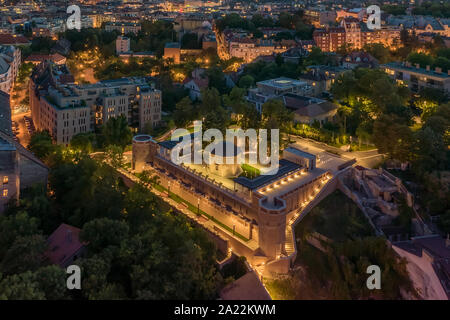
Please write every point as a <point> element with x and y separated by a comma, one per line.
<point>247,287</point>
<point>404,67</point>
<point>285,167</point>
<point>281,83</point>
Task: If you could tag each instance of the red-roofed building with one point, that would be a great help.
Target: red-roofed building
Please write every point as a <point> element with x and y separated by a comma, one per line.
<point>38,58</point>
<point>195,86</point>
<point>13,39</point>
<point>64,246</point>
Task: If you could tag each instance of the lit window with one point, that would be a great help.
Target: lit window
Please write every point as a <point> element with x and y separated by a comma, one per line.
<point>5,192</point>
<point>5,179</point>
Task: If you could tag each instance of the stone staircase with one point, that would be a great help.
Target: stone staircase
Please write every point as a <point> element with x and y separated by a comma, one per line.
<point>289,245</point>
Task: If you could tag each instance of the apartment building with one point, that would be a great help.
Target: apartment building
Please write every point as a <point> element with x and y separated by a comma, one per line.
<point>10,60</point>
<point>417,78</point>
<point>249,49</point>
<point>19,168</point>
<point>66,109</point>
<point>122,44</point>
<point>123,27</point>
<point>356,34</point>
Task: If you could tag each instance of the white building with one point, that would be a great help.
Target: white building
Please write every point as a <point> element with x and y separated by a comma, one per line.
<point>66,109</point>
<point>9,66</point>
<point>122,44</point>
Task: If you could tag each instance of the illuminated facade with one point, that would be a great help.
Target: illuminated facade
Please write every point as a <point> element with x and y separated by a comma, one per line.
<point>255,215</point>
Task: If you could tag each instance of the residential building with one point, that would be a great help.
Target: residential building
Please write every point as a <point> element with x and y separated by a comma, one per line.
<point>352,32</point>
<point>359,59</point>
<point>195,86</point>
<point>122,44</point>
<point>123,27</point>
<point>309,110</point>
<point>320,78</point>
<point>172,50</point>
<point>330,39</point>
<point>10,60</point>
<point>64,246</point>
<point>428,263</point>
<point>66,109</point>
<point>39,58</point>
<point>417,78</point>
<point>19,168</point>
<point>276,88</point>
<point>13,39</point>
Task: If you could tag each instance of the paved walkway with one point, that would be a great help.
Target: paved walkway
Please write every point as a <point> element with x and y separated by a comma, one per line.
<point>202,220</point>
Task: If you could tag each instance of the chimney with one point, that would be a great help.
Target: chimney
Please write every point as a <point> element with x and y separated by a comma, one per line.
<point>417,66</point>
<point>428,68</point>
<point>438,70</point>
<point>69,235</point>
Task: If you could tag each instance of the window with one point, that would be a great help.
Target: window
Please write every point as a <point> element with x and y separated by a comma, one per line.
<point>5,179</point>
<point>5,192</point>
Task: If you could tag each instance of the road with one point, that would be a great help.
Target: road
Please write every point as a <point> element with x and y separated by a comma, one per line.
<point>23,134</point>
<point>369,158</point>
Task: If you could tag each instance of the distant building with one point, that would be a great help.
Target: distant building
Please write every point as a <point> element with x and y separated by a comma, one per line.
<point>123,27</point>
<point>354,33</point>
<point>13,39</point>
<point>209,41</point>
<point>320,78</point>
<point>276,88</point>
<point>308,109</point>
<point>122,44</point>
<point>36,59</point>
<point>66,109</point>
<point>428,259</point>
<point>19,168</point>
<point>195,86</point>
<point>417,78</point>
<point>359,59</point>
<point>10,60</point>
<point>62,47</point>
<point>172,50</point>
<point>64,246</point>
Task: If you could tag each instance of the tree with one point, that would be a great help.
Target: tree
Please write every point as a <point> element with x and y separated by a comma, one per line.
<point>184,112</point>
<point>15,226</point>
<point>52,282</point>
<point>83,142</point>
<point>103,232</point>
<point>41,144</point>
<point>422,59</point>
<point>26,253</point>
<point>246,81</point>
<point>117,132</point>
<point>190,41</point>
<point>114,155</point>
<point>236,100</point>
<point>217,79</point>
<point>21,286</point>
<point>378,51</point>
<point>393,138</point>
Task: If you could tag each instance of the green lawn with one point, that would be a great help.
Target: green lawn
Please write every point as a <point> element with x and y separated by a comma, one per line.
<point>249,171</point>
<point>336,217</point>
<point>195,210</point>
